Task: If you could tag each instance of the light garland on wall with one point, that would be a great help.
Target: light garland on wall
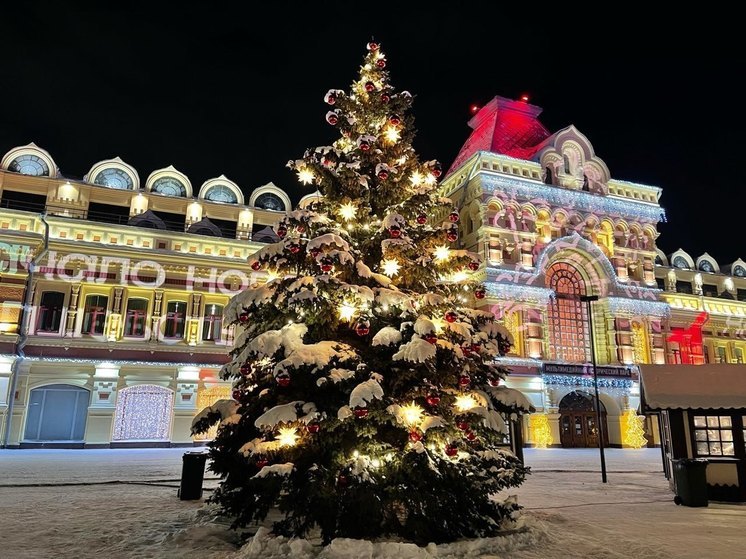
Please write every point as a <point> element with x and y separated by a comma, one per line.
<point>586,382</point>
<point>518,292</point>
<point>566,198</point>
<point>124,362</point>
<point>143,413</point>
<point>638,307</point>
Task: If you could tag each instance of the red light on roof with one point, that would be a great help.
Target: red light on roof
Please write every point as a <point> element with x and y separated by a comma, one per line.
<point>524,98</point>
<point>474,108</point>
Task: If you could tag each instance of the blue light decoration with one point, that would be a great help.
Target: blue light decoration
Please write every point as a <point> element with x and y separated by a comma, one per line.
<point>530,191</point>
<point>518,361</point>
<point>586,382</point>
<point>519,292</point>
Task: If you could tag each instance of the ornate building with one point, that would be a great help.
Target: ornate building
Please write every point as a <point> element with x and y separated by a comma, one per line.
<point>572,268</point>
<point>124,284</point>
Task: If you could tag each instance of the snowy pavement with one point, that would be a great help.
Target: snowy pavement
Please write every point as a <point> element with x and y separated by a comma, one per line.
<point>570,512</point>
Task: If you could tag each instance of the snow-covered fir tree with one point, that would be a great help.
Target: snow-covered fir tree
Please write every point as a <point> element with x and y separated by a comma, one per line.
<point>367,401</point>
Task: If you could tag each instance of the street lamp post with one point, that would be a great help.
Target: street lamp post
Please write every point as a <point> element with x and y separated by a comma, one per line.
<point>589,299</point>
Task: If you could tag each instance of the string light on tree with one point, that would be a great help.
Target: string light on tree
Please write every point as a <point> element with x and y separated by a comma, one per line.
<point>392,134</point>
<point>391,267</point>
<point>411,414</point>
<point>465,402</point>
<point>305,175</point>
<point>347,311</point>
<point>288,436</point>
<point>442,253</point>
<point>348,211</point>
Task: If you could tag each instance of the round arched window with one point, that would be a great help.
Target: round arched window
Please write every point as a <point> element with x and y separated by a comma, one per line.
<point>169,186</point>
<point>680,262</point>
<point>221,193</point>
<point>29,165</point>
<point>706,266</point>
<point>739,271</point>
<point>114,178</point>
<point>269,201</point>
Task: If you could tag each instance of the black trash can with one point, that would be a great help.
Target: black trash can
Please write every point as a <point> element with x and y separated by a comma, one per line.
<point>192,474</point>
<point>690,476</point>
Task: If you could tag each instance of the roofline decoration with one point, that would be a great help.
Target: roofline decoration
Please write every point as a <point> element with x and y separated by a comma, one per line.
<point>222,180</point>
<point>169,171</point>
<point>31,149</point>
<point>115,163</point>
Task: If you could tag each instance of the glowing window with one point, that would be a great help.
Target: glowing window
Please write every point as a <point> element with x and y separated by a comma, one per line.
<point>175,319</point>
<point>569,333</point>
<point>706,266</point>
<point>269,201</point>
<point>169,186</point>
<point>739,271</point>
<point>143,413</point>
<point>221,193</point>
<point>114,178</point>
<point>29,165</point>
<point>680,262</point>
<point>212,325</point>
<point>94,316</point>
<point>713,435</point>
<point>134,322</point>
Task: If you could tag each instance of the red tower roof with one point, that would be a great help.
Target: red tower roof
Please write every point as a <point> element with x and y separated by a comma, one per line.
<point>504,126</point>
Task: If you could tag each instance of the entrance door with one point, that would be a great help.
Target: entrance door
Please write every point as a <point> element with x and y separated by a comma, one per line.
<point>57,412</point>
<point>578,425</point>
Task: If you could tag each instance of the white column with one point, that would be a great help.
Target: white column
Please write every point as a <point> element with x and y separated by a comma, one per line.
<point>99,426</point>
<point>185,404</point>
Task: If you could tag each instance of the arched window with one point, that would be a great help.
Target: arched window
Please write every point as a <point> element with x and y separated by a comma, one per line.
<point>51,305</point>
<point>57,412</point>
<point>134,322</point>
<point>566,161</point>
<point>706,266</point>
<point>680,262</point>
<point>221,193</point>
<point>114,178</point>
<point>269,201</point>
<point>569,334</point>
<point>585,183</point>
<point>94,316</point>
<point>169,186</point>
<point>739,271</point>
<point>29,165</point>
<point>143,413</point>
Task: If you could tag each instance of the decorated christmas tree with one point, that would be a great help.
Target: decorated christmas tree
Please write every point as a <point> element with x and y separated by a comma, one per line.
<point>367,401</point>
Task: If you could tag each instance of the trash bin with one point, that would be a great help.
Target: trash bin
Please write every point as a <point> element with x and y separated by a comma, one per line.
<point>192,474</point>
<point>690,476</point>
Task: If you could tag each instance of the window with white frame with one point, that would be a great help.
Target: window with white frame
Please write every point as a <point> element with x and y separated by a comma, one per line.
<point>212,323</point>
<point>135,319</point>
<point>94,314</point>
<point>51,306</point>
<point>713,435</point>
<point>175,319</point>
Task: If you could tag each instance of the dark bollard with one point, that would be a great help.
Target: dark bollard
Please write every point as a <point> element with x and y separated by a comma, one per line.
<point>192,474</point>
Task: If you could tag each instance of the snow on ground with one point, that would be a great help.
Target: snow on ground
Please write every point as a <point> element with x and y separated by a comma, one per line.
<point>569,513</point>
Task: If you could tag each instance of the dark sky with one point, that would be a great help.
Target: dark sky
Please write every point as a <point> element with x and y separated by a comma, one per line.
<point>212,88</point>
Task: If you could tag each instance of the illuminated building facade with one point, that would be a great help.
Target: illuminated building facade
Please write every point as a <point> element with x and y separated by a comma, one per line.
<point>554,229</point>
<point>125,334</point>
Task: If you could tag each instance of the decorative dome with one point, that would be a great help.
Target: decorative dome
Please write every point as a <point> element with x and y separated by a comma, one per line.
<point>114,173</point>
<point>270,197</point>
<point>30,160</point>
<point>169,182</point>
<point>221,189</point>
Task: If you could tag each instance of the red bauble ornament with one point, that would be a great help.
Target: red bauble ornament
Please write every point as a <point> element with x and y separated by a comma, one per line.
<point>433,400</point>
<point>381,62</point>
<point>330,98</point>
<point>395,231</point>
<point>360,412</point>
<point>385,97</point>
<point>364,145</point>
<point>327,264</point>
<point>471,436</point>
<point>332,118</point>
<point>451,451</point>
<point>480,293</point>
<point>474,265</point>
<point>476,348</point>
<point>453,217</point>
<point>383,174</point>
<point>415,436</point>
<point>283,380</point>
<point>430,338</point>
<point>463,425</point>
<point>394,120</point>
<point>313,428</point>
<point>362,328</point>
<point>282,231</point>
<point>343,480</point>
<point>494,382</point>
<point>464,380</point>
<point>452,235</point>
<point>451,317</point>
<point>256,265</point>
<point>237,395</point>
<point>437,170</point>
<point>373,46</point>
<point>243,317</point>
<point>466,349</point>
<point>245,369</point>
<point>422,219</point>
<point>300,228</point>
<point>261,463</point>
<point>294,248</point>
<point>315,251</point>
<point>370,86</point>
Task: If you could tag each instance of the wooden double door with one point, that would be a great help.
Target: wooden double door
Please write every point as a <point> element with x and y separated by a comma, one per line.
<point>578,425</point>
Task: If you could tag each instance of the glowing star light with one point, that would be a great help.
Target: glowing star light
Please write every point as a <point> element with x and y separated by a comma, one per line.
<point>391,267</point>
<point>288,436</point>
<point>392,135</point>
<point>411,414</point>
<point>347,211</point>
<point>442,253</point>
<point>305,175</point>
<point>416,178</point>
<point>465,402</point>
<point>347,311</point>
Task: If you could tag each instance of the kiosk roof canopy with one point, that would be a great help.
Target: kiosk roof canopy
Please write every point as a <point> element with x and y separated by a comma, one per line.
<point>712,386</point>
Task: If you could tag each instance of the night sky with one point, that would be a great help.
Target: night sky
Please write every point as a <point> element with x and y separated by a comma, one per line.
<point>212,89</point>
